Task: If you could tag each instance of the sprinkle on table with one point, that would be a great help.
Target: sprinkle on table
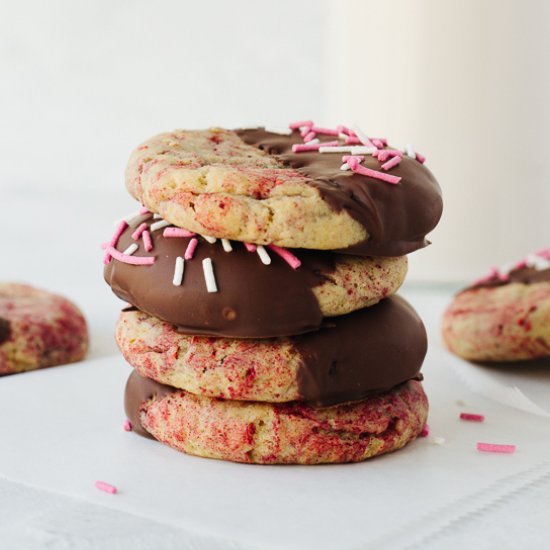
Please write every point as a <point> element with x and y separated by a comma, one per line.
<point>495,448</point>
<point>127,426</point>
<point>209,277</point>
<point>438,440</point>
<point>106,487</point>
<point>471,417</point>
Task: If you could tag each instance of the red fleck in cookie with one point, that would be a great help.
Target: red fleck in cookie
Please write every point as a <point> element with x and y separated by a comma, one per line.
<point>352,356</point>
<point>505,316</point>
<point>38,329</point>
<point>346,192</point>
<point>223,288</point>
<point>263,433</point>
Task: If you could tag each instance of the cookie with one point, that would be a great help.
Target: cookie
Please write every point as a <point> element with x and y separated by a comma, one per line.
<point>38,329</point>
<point>251,299</point>
<point>504,317</point>
<point>263,433</point>
<point>351,357</point>
<point>249,185</point>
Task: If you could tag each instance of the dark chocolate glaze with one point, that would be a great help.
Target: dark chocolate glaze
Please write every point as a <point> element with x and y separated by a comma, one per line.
<point>368,351</point>
<point>5,330</point>
<point>139,390</point>
<point>397,218</point>
<point>524,275</point>
<point>253,300</point>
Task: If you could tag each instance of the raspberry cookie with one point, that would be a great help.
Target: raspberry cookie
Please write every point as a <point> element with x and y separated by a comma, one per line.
<point>257,186</point>
<point>505,316</point>
<point>38,329</point>
<point>351,357</point>
<point>264,433</point>
<point>258,292</point>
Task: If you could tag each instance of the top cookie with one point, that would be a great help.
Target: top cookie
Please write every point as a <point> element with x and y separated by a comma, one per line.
<point>248,185</point>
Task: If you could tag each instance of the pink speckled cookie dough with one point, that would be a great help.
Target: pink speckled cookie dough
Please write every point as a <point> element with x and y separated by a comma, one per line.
<point>504,317</point>
<point>263,433</point>
<point>38,329</point>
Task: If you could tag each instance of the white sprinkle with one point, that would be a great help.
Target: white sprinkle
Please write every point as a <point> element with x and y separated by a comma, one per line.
<point>506,268</point>
<point>363,138</point>
<point>178,271</point>
<point>312,142</point>
<point>226,245</point>
<point>410,151</point>
<point>542,263</point>
<point>131,249</point>
<point>208,239</point>
<point>278,130</point>
<point>342,136</point>
<point>130,218</point>
<point>209,277</point>
<point>437,440</point>
<point>262,253</point>
<point>344,166</point>
<point>351,149</point>
<point>362,150</point>
<point>159,225</point>
<point>157,217</point>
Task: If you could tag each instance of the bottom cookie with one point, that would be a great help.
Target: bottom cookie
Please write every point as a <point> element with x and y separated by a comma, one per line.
<point>284,433</point>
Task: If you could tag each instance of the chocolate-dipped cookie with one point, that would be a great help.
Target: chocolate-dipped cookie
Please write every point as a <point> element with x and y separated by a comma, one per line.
<point>352,356</point>
<point>251,299</point>
<point>265,433</point>
<point>258,186</point>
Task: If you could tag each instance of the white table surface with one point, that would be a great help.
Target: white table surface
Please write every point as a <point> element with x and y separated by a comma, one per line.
<point>61,430</point>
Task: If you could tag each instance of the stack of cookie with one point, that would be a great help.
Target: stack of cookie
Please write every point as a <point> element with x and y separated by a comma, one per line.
<point>260,273</point>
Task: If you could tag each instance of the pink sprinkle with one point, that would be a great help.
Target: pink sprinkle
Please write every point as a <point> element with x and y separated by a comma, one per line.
<point>190,250</point>
<point>300,123</point>
<point>177,232</point>
<point>325,131</point>
<point>106,487</point>
<point>376,154</point>
<point>144,210</point>
<point>364,171</point>
<point>420,158</point>
<point>386,153</point>
<point>127,426</point>
<point>303,148</point>
<point>250,247</point>
<point>472,417</point>
<point>391,163</point>
<point>124,258</point>
<point>114,239</point>
<point>377,142</point>
<point>147,242</point>
<point>287,256</point>
<point>309,136</point>
<point>353,158</point>
<point>425,431</point>
<point>137,233</point>
<point>520,265</point>
<point>344,130</point>
<point>495,448</point>
<point>353,140</point>
<point>544,253</point>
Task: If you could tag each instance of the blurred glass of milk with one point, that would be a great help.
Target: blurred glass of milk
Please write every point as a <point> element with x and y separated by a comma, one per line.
<point>468,85</point>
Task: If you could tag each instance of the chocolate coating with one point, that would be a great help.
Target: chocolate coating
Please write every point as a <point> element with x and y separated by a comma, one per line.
<point>138,391</point>
<point>524,275</point>
<point>5,330</point>
<point>253,300</point>
<point>368,351</point>
<point>397,218</point>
